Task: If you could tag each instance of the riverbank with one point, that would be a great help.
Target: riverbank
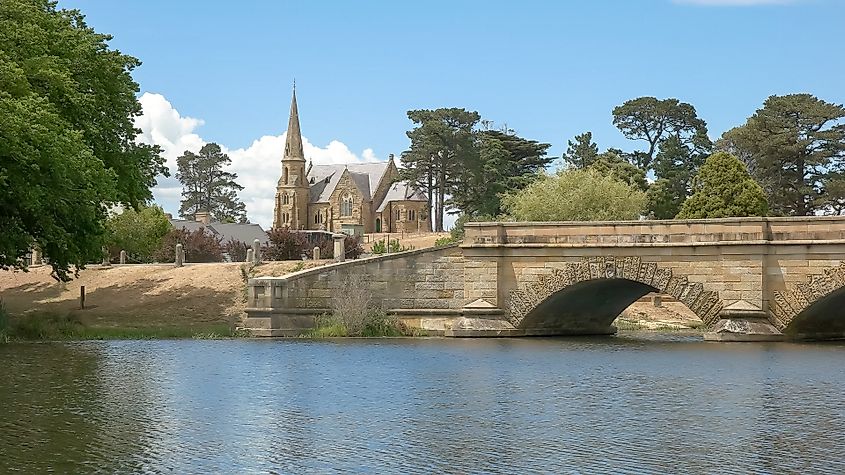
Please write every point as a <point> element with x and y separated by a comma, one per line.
<point>133,301</point>
<point>194,301</point>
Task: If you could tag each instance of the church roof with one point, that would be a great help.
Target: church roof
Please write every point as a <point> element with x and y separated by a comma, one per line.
<point>401,191</point>
<point>225,231</point>
<point>365,175</point>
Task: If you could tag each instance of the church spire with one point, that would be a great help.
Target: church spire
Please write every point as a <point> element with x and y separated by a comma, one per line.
<point>293,142</point>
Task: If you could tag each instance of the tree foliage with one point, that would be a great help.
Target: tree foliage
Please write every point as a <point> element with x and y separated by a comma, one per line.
<point>581,151</point>
<point>611,163</point>
<point>793,146</point>
<point>654,120</point>
<point>723,188</point>
<point>200,245</point>
<point>576,195</point>
<point>236,250</point>
<point>503,163</point>
<point>441,143</point>
<point>139,233</point>
<point>206,186</point>
<point>68,144</point>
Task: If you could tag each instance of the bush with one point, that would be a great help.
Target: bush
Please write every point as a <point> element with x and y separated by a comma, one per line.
<point>392,246</point>
<point>285,245</point>
<point>352,246</point>
<point>576,195</point>
<point>445,241</point>
<point>326,246</point>
<point>236,250</point>
<point>200,246</point>
<point>722,189</point>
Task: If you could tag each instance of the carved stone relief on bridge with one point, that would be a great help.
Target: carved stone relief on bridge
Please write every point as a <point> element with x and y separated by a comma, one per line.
<point>705,304</point>
<point>787,304</point>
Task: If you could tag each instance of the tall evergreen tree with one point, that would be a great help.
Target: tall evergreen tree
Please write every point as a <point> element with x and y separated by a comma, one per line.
<point>207,187</point>
<point>581,151</point>
<point>792,146</point>
<point>674,167</point>
<point>503,163</point>
<point>442,143</point>
<point>653,120</point>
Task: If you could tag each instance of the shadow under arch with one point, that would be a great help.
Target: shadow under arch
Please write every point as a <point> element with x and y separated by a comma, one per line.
<point>585,297</point>
<point>587,307</point>
<point>814,308</point>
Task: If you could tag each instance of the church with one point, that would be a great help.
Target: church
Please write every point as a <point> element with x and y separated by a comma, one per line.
<point>327,197</point>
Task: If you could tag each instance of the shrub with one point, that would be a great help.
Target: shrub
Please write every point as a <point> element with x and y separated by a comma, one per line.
<point>576,195</point>
<point>200,246</point>
<point>445,241</point>
<point>379,247</point>
<point>352,246</point>
<point>236,250</point>
<point>326,246</point>
<point>285,245</point>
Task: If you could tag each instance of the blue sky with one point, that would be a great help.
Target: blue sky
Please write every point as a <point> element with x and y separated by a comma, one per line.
<point>549,70</point>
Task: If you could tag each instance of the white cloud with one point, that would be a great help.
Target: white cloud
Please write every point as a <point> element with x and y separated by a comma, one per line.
<point>733,3</point>
<point>258,166</point>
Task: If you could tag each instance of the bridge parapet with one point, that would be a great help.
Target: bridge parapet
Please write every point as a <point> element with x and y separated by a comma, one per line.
<point>702,232</point>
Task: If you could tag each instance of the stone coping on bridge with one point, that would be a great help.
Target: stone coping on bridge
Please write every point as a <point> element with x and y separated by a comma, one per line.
<point>802,230</point>
<point>344,264</point>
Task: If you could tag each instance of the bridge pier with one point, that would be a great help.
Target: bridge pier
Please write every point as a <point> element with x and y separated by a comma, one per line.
<point>742,322</point>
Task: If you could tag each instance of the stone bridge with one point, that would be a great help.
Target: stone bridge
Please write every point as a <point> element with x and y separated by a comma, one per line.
<point>746,278</point>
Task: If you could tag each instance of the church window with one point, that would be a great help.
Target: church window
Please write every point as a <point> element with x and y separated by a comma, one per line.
<point>285,199</point>
<point>285,176</point>
<point>398,215</point>
<point>346,205</point>
<point>412,215</point>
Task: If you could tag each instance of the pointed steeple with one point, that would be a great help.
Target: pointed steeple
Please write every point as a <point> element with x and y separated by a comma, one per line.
<point>293,142</point>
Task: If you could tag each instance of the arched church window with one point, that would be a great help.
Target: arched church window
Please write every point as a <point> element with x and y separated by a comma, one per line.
<point>285,176</point>
<point>285,199</point>
<point>398,214</point>
<point>412,215</point>
<point>346,205</point>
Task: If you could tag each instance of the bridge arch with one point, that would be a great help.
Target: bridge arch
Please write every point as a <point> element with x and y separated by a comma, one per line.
<point>595,290</point>
<point>814,307</point>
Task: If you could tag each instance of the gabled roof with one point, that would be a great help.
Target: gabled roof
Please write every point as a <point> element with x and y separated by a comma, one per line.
<point>401,191</point>
<point>225,231</point>
<point>366,177</point>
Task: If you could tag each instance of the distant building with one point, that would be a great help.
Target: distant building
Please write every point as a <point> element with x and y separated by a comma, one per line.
<point>225,231</point>
<point>328,197</point>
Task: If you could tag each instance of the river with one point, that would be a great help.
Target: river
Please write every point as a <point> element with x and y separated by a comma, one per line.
<point>634,404</point>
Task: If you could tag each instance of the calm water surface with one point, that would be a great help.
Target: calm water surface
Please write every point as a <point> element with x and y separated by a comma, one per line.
<point>625,404</point>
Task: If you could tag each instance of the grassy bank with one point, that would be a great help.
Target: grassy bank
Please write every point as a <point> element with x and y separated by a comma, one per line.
<point>65,327</point>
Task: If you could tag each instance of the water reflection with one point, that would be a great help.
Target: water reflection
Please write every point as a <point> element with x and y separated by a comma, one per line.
<point>641,405</point>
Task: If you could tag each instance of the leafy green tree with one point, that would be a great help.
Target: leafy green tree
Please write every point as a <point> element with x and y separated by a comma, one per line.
<point>139,233</point>
<point>612,164</point>
<point>722,189</point>
<point>653,120</point>
<point>576,195</point>
<point>503,163</point>
<point>791,147</point>
<point>207,187</point>
<point>68,146</point>
<point>442,143</point>
<point>662,200</point>
<point>581,151</point>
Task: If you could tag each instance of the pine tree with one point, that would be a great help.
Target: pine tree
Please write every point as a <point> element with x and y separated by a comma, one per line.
<point>582,152</point>
<point>207,187</point>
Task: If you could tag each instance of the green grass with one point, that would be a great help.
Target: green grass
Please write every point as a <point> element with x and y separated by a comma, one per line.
<point>55,327</point>
<point>378,324</point>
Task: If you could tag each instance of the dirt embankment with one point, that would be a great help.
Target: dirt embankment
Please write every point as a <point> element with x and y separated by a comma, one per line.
<point>408,240</point>
<point>136,296</point>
